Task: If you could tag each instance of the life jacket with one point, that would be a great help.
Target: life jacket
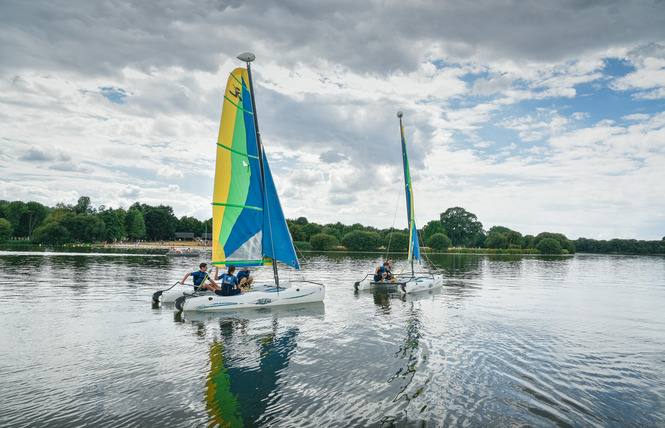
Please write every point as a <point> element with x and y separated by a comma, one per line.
<point>198,277</point>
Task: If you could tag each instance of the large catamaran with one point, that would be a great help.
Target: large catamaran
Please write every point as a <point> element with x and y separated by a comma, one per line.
<point>249,228</point>
<point>406,283</point>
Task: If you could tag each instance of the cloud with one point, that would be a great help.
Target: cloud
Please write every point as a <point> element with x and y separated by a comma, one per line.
<point>540,114</point>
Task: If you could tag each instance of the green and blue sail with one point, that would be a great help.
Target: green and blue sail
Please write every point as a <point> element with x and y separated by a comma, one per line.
<point>249,228</point>
<point>414,245</point>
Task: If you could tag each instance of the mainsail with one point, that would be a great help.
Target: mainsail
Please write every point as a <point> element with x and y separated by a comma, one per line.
<point>414,245</point>
<point>249,228</point>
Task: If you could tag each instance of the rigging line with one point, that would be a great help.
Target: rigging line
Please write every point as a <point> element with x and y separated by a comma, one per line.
<point>420,236</point>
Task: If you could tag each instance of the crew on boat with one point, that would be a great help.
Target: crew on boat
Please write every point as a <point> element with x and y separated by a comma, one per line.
<point>389,269</point>
<point>381,273</point>
<point>230,284</point>
<point>200,277</point>
<point>244,279</point>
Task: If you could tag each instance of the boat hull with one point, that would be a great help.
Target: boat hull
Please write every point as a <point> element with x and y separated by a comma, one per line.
<point>404,285</point>
<point>258,297</point>
<point>420,284</point>
<point>179,290</point>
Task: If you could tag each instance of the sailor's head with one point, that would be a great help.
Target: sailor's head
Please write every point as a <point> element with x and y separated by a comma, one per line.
<point>203,266</point>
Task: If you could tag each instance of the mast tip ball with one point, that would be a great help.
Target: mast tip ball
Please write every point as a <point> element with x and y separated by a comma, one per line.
<point>400,114</point>
<point>247,57</point>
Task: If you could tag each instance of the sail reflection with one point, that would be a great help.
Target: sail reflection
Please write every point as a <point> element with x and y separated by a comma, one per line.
<point>246,366</point>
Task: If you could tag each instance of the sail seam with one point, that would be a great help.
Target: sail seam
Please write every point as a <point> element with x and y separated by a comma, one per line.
<point>239,82</point>
<point>237,106</point>
<point>237,152</point>
<point>237,206</point>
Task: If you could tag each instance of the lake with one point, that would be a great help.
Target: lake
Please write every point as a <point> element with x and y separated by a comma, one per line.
<point>508,341</point>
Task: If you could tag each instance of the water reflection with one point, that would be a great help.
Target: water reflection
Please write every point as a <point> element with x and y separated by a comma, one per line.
<point>409,387</point>
<point>247,358</point>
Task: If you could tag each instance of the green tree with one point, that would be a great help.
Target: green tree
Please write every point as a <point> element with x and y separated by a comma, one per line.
<point>85,228</point>
<point>160,222</point>
<point>13,211</point>
<point>496,240</point>
<point>439,242</point>
<point>432,228</point>
<point>311,229</point>
<point>134,224</point>
<point>5,229</point>
<point>296,231</point>
<point>114,221</point>
<point>353,228</point>
<point>549,246</point>
<point>33,215</point>
<point>323,242</point>
<point>83,206</point>
<point>462,227</point>
<point>515,239</point>
<point>190,224</point>
<point>51,233</point>
<point>498,229</point>
<point>397,241</point>
<point>335,230</point>
<point>358,240</point>
<point>564,242</point>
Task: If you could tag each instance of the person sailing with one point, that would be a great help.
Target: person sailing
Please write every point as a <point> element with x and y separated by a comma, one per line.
<point>230,285</point>
<point>199,278</point>
<point>389,270</point>
<point>244,279</point>
<point>381,272</point>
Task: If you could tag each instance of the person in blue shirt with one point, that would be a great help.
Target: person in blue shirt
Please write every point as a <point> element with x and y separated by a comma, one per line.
<point>381,272</point>
<point>244,279</point>
<point>230,285</point>
<point>389,269</point>
<point>200,279</point>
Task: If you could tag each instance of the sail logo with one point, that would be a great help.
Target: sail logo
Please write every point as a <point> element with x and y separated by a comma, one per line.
<point>236,93</point>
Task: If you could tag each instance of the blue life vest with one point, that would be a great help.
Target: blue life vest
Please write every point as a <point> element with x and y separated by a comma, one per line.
<point>198,277</point>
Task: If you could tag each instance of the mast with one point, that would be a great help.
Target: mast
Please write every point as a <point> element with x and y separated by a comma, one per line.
<point>406,189</point>
<point>248,57</point>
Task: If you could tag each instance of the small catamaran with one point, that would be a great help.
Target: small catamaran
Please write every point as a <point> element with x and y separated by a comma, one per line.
<point>404,283</point>
<point>249,228</point>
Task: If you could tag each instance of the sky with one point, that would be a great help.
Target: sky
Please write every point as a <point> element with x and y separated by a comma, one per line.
<point>540,116</point>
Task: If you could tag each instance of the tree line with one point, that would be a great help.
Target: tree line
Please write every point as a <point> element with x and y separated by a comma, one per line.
<point>82,222</point>
<point>455,227</point>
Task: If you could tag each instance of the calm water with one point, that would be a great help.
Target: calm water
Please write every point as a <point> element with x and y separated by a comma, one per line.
<point>508,341</point>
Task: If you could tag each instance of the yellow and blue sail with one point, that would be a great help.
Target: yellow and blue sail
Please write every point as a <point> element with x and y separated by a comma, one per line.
<point>244,202</point>
<point>414,245</point>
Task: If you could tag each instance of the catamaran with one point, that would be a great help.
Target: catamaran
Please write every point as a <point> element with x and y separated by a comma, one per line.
<point>249,228</point>
<point>404,283</point>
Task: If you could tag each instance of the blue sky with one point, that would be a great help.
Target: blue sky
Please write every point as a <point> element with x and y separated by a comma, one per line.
<point>542,116</point>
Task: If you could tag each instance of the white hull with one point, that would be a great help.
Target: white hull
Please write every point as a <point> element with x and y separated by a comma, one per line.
<point>419,284</point>
<point>404,285</point>
<point>259,297</point>
<point>179,290</point>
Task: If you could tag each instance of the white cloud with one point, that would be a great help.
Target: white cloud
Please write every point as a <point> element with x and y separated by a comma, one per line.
<point>122,101</point>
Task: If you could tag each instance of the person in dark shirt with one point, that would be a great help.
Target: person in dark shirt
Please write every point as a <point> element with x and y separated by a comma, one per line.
<point>244,279</point>
<point>230,285</point>
<point>381,272</point>
<point>200,277</point>
<point>389,269</point>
